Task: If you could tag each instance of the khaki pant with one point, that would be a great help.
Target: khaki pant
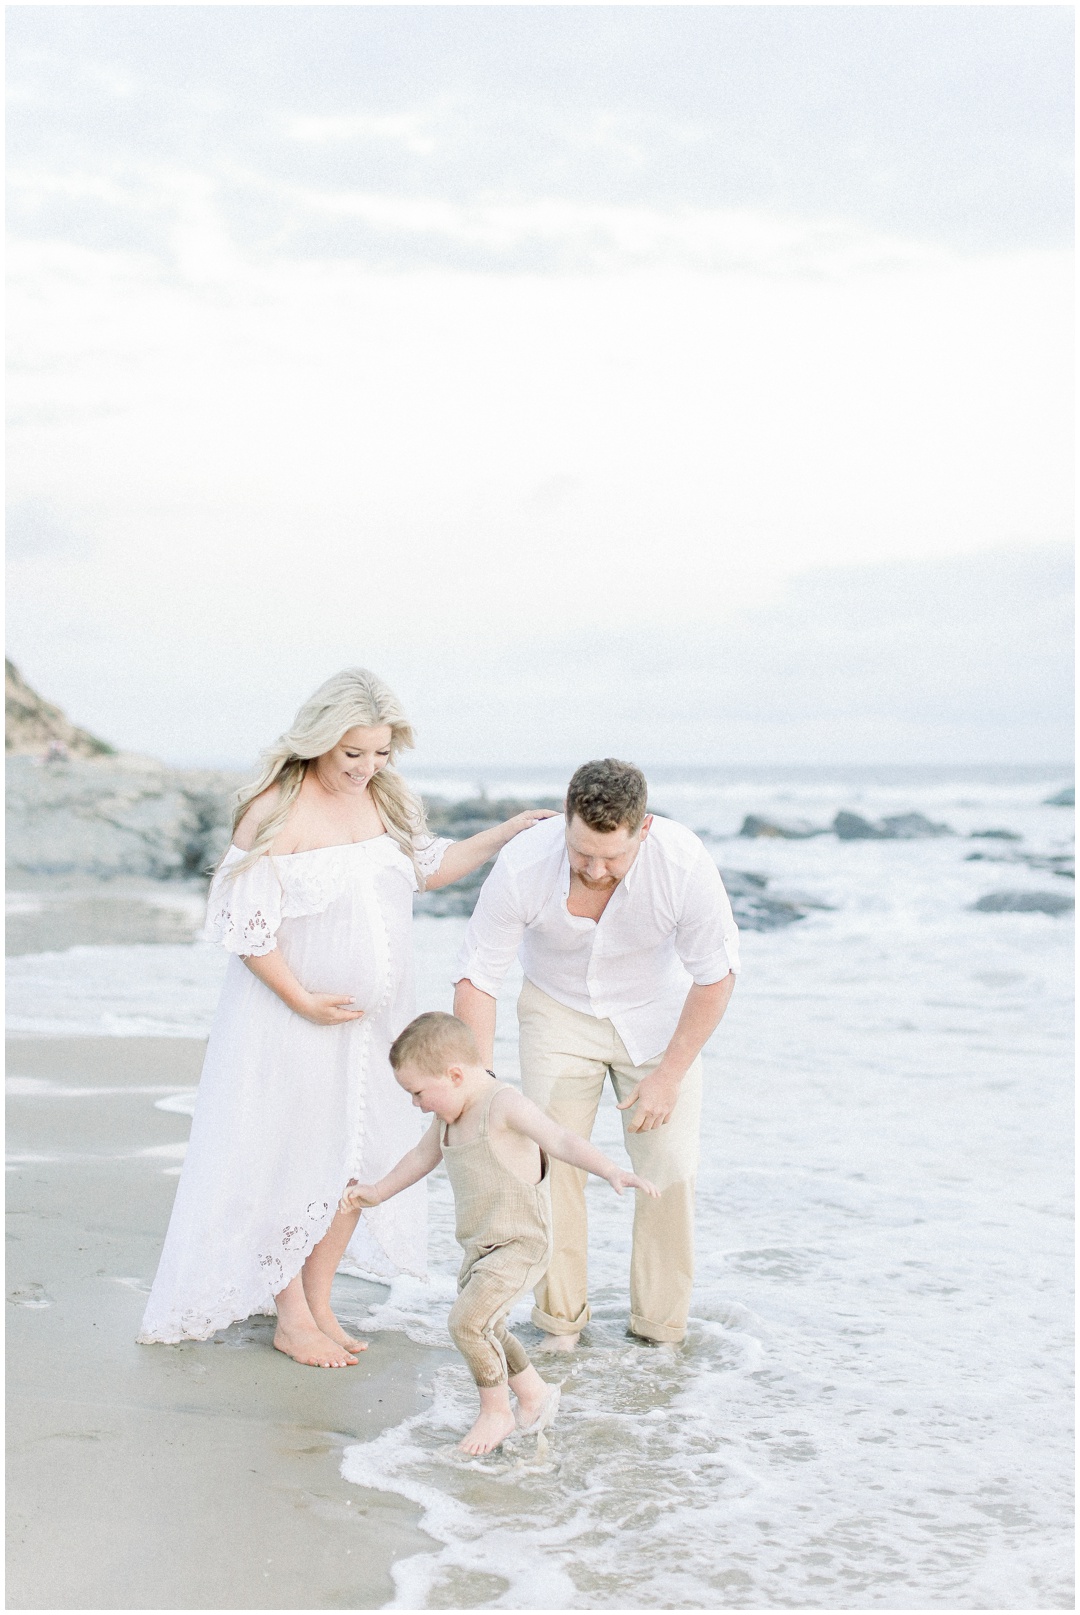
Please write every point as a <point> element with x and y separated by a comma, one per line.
<point>486,1292</point>
<point>566,1057</point>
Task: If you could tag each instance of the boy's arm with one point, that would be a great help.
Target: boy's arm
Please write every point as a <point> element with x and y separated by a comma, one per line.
<point>523,1116</point>
<point>409,1170</point>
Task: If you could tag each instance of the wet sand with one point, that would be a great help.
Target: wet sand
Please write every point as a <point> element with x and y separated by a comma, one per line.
<point>197,1476</point>
<point>50,912</point>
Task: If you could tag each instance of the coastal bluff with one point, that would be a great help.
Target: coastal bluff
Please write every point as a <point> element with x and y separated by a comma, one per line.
<point>34,727</point>
<point>115,816</point>
<point>78,806</point>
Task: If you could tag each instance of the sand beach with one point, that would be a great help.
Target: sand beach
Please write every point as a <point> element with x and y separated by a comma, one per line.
<point>197,1476</point>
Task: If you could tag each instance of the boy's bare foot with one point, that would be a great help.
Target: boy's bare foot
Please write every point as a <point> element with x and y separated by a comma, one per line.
<point>535,1413</point>
<point>313,1348</point>
<point>490,1431</point>
<point>558,1342</point>
<point>332,1329</point>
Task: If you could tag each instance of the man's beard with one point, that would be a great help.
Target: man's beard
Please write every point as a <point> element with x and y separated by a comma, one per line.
<point>599,885</point>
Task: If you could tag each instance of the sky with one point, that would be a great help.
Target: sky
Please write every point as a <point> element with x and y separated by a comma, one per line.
<point>690,383</point>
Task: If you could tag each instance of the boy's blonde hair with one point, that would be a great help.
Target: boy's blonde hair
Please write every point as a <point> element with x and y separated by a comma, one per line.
<point>434,1041</point>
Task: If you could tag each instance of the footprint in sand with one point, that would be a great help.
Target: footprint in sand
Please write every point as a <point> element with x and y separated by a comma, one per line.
<point>30,1295</point>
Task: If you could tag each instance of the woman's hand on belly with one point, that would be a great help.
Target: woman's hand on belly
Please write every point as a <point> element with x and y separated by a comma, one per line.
<point>328,1009</point>
<point>322,1009</point>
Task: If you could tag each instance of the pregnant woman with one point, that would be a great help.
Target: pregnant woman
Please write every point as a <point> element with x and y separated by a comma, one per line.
<point>314,901</point>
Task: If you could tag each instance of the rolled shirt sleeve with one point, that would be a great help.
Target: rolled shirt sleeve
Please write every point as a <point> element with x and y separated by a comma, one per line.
<point>706,936</point>
<point>494,932</point>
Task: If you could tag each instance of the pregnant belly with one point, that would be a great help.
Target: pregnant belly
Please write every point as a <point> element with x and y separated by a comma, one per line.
<point>323,961</point>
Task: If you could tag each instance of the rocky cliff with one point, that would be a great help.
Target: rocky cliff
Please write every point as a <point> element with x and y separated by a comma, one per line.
<point>77,806</point>
<point>34,727</point>
<point>111,816</point>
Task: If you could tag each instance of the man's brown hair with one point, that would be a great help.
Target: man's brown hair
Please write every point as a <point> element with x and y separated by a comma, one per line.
<point>608,794</point>
<point>434,1041</point>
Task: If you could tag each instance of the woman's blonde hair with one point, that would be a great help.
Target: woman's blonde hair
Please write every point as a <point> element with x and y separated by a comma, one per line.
<point>354,698</point>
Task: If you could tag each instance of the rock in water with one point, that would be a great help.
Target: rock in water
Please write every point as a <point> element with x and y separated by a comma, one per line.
<point>1058,863</point>
<point>743,882</point>
<point>35,727</point>
<point>1066,797</point>
<point>1025,903</point>
<point>753,908</point>
<point>995,835</point>
<point>898,827</point>
<point>853,827</point>
<point>913,827</point>
<point>753,826</point>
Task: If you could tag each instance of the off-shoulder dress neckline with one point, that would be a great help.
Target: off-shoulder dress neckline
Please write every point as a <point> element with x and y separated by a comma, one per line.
<point>307,851</point>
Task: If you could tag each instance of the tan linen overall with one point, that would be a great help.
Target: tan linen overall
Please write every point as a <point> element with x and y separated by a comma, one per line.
<point>504,1227</point>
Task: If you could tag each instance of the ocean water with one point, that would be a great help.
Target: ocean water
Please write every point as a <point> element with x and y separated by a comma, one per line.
<point>871,1409</point>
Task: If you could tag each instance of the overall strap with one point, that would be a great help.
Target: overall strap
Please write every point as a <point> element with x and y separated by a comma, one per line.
<point>487,1106</point>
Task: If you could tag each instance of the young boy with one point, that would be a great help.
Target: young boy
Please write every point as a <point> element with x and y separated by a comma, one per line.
<point>494,1142</point>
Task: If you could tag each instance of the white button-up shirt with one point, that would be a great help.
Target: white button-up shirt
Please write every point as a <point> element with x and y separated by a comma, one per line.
<point>667,924</point>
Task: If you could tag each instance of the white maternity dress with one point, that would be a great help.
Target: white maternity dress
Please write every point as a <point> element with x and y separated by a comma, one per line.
<point>288,1111</point>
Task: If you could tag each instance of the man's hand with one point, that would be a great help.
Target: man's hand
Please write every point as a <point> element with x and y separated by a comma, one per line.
<point>656,1094</point>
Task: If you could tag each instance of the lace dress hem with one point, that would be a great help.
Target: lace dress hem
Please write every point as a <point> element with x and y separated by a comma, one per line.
<point>280,1267</point>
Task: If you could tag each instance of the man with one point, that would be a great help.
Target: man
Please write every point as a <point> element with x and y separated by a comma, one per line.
<point>629,946</point>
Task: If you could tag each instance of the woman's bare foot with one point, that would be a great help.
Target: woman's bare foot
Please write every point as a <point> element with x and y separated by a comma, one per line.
<point>313,1348</point>
<point>490,1431</point>
<point>332,1329</point>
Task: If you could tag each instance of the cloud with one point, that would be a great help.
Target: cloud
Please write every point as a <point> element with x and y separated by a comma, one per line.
<point>410,130</point>
<point>575,236</point>
<point>950,124</point>
<point>706,433</point>
<point>250,212</point>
